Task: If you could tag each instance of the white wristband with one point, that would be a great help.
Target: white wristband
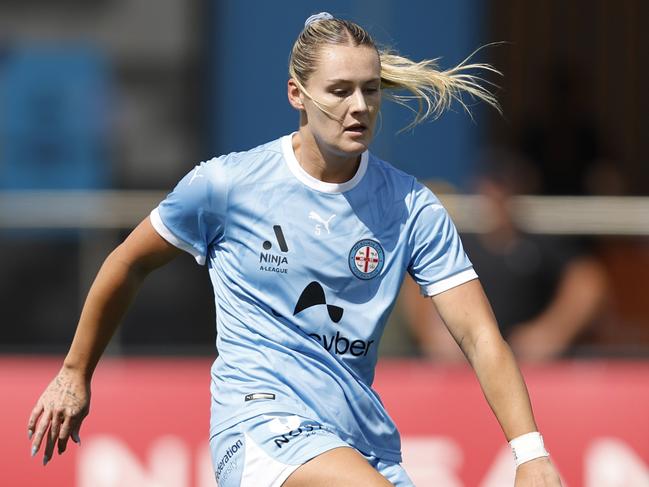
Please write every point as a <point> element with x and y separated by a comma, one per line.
<point>528,447</point>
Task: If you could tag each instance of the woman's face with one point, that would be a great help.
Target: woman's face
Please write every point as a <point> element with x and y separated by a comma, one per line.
<point>347,82</point>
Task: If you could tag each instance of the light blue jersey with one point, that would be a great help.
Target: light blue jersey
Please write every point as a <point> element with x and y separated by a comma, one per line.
<point>305,274</point>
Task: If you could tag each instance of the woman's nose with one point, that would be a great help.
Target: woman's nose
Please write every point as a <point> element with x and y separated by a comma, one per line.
<point>358,103</point>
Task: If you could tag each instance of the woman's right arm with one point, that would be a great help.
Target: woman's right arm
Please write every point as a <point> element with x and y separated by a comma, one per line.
<point>64,404</point>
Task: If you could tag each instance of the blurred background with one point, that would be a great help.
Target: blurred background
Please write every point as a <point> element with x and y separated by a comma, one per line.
<point>105,105</point>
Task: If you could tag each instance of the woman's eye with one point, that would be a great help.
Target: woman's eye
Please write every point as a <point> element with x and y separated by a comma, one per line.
<point>340,93</point>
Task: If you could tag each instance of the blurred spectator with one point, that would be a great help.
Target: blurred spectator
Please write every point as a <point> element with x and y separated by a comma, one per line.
<point>545,290</point>
<point>624,328</point>
<point>563,141</point>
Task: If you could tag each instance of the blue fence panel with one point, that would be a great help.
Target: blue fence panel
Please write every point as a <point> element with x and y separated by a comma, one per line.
<point>54,118</point>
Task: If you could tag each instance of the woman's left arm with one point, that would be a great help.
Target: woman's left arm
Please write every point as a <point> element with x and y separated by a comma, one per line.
<point>469,318</point>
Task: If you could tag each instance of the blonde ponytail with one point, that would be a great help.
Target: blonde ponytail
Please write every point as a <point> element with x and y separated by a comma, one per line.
<point>434,91</point>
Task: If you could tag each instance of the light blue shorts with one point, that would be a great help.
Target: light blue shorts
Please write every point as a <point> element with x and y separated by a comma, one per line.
<point>265,450</point>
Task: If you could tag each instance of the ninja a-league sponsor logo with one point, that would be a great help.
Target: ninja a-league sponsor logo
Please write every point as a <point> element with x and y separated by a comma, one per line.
<point>291,427</point>
<point>228,461</point>
<point>272,261</point>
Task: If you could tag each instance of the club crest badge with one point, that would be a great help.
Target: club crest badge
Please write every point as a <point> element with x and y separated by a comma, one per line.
<point>366,259</point>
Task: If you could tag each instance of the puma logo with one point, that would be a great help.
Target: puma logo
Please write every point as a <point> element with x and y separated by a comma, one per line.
<point>314,216</point>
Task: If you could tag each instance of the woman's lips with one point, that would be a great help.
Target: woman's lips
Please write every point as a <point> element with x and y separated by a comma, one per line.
<point>356,129</point>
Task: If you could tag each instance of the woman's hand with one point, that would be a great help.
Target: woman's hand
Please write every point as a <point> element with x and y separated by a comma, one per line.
<point>59,412</point>
<point>537,473</point>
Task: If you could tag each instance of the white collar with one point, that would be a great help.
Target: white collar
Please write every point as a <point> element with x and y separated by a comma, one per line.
<point>314,183</point>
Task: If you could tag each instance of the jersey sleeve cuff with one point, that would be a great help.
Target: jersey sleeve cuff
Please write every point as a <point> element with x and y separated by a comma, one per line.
<point>165,233</point>
<point>449,282</point>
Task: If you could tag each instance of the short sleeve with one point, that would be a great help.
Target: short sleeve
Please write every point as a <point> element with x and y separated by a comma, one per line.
<point>438,261</point>
<point>192,216</point>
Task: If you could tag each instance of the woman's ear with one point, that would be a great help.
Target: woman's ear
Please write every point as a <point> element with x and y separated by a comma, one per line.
<point>295,95</point>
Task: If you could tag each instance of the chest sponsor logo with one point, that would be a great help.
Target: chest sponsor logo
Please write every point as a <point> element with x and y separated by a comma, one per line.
<point>335,343</point>
<point>314,295</point>
<point>366,259</point>
<point>273,261</point>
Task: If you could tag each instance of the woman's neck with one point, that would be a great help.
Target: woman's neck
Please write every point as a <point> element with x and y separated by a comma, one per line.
<point>324,166</point>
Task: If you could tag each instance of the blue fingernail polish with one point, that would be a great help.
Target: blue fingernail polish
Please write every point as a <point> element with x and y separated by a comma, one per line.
<point>30,433</point>
<point>34,450</point>
<point>45,460</point>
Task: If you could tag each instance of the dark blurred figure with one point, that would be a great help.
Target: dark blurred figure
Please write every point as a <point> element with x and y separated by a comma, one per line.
<point>572,155</point>
<point>545,290</point>
<point>624,332</point>
<point>563,141</point>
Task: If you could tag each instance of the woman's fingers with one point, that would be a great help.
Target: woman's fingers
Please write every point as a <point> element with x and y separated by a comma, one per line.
<point>42,426</point>
<point>33,418</point>
<point>64,433</point>
<point>53,436</point>
<point>75,432</point>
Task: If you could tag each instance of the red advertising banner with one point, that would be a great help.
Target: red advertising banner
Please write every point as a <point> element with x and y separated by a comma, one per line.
<point>148,425</point>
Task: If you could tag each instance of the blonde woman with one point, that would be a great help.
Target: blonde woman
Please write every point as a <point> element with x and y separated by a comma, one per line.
<point>307,240</point>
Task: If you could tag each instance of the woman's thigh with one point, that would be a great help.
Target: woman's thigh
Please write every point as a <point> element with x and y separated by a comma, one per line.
<point>263,451</point>
<point>340,467</point>
<point>280,449</point>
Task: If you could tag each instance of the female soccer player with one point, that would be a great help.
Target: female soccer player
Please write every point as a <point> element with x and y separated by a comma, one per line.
<point>307,240</point>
